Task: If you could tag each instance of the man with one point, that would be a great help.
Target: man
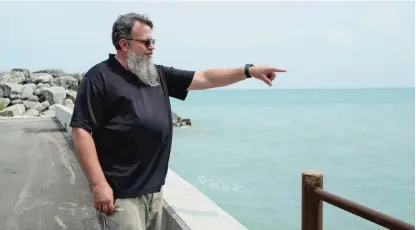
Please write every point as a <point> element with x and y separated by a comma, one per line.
<point>122,124</point>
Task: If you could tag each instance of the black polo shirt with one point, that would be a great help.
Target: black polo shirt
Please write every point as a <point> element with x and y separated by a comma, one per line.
<point>131,123</point>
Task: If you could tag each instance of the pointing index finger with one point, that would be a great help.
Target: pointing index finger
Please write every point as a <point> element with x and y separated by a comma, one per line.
<point>280,70</point>
<point>277,69</point>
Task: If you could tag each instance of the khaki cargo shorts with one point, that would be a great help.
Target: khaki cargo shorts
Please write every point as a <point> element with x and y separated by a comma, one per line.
<point>140,213</point>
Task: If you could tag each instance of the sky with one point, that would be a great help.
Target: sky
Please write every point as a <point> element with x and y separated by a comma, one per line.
<point>322,44</point>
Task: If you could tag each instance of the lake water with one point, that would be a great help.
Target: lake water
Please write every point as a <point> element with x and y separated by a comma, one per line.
<point>247,149</point>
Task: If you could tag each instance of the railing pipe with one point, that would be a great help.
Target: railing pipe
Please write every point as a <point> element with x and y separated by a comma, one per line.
<point>313,196</point>
<point>362,211</point>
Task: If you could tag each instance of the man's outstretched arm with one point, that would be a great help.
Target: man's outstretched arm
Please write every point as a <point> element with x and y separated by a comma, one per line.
<point>213,78</point>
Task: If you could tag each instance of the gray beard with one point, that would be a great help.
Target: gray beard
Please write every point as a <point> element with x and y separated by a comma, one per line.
<point>144,70</point>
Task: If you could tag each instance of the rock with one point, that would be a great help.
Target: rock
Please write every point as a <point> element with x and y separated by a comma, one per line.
<point>27,90</point>
<point>68,103</point>
<point>4,90</point>
<point>186,122</point>
<point>16,101</point>
<point>4,102</point>
<point>7,89</point>
<point>52,107</point>
<point>54,94</point>
<point>12,111</point>
<point>33,98</point>
<point>15,76</point>
<point>5,77</point>
<point>53,72</point>
<point>71,95</point>
<point>49,112</point>
<point>42,106</point>
<point>41,78</point>
<point>67,82</point>
<point>16,89</point>
<point>31,113</point>
<point>43,85</point>
<point>24,74</point>
<point>37,92</point>
<point>78,76</point>
<point>40,87</point>
<point>31,104</point>
<point>179,122</point>
<point>175,118</point>
<point>15,96</point>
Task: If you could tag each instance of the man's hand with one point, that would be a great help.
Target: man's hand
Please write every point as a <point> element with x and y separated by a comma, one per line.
<point>265,73</point>
<point>213,78</point>
<point>103,198</point>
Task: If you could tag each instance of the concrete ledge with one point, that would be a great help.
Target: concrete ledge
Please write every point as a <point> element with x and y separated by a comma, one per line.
<point>184,206</point>
<point>63,114</point>
<point>195,209</point>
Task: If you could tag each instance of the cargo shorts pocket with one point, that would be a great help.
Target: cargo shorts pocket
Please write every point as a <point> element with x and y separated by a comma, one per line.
<point>127,216</point>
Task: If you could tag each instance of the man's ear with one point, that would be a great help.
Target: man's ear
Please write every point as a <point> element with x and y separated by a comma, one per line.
<point>124,45</point>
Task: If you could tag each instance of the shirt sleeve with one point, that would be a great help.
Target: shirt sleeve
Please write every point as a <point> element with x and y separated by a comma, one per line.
<point>88,104</point>
<point>178,81</point>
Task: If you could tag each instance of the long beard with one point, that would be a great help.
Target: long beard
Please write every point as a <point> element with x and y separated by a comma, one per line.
<point>144,70</point>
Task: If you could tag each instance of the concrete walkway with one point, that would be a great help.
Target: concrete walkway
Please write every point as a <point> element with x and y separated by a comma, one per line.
<point>42,185</point>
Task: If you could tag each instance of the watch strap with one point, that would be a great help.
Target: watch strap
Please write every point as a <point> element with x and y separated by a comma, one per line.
<point>246,72</point>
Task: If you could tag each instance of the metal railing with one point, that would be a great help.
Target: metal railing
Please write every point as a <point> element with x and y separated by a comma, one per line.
<point>313,197</point>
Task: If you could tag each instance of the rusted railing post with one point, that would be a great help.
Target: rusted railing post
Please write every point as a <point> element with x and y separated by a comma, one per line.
<point>311,206</point>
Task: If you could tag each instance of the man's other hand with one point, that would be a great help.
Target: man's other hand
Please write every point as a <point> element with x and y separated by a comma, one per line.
<point>103,198</point>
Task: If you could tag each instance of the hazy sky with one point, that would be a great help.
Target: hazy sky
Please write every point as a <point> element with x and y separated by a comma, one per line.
<point>322,44</point>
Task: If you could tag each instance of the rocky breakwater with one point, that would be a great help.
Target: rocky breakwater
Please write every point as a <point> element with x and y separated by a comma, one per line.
<point>24,93</point>
<point>31,94</point>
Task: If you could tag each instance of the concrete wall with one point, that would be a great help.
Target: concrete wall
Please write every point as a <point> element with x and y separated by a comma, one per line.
<point>184,207</point>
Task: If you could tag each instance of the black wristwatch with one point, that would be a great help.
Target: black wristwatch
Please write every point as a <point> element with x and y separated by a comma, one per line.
<point>246,72</point>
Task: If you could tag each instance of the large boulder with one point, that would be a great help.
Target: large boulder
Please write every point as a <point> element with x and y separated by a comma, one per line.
<point>31,104</point>
<point>78,76</point>
<point>72,95</point>
<point>43,106</point>
<point>15,76</point>
<point>33,98</point>
<point>41,78</point>
<point>69,103</point>
<point>67,82</point>
<point>40,87</point>
<point>50,112</point>
<point>12,111</point>
<point>27,90</point>
<point>53,72</point>
<point>16,101</point>
<point>31,113</point>
<point>54,94</point>
<point>12,90</point>
<point>4,102</point>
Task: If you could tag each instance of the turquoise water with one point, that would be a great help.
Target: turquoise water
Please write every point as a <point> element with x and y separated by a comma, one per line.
<point>247,149</point>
